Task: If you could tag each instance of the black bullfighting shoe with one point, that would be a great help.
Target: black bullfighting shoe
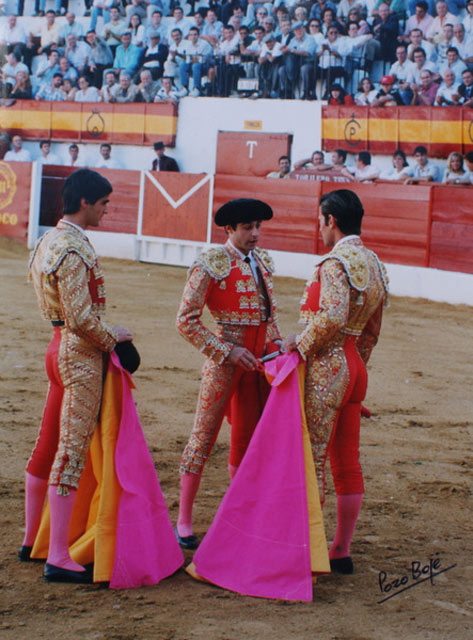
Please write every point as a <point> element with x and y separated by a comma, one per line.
<point>58,574</point>
<point>186,542</point>
<point>342,565</point>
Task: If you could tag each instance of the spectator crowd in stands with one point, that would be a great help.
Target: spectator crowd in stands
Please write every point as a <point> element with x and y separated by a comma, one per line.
<point>364,52</point>
<point>459,169</point>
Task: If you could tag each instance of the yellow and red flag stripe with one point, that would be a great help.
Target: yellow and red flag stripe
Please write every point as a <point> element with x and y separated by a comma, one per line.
<point>384,129</point>
<point>133,123</point>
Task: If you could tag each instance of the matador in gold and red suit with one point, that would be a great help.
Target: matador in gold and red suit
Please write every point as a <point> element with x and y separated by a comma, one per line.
<point>235,283</point>
<point>69,285</point>
<point>342,308</point>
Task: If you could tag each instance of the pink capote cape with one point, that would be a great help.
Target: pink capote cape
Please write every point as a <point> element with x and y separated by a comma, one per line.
<point>120,520</point>
<point>259,543</point>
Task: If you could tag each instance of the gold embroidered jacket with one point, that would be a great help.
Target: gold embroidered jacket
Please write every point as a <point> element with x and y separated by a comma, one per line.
<point>220,279</point>
<point>352,284</point>
<point>69,285</point>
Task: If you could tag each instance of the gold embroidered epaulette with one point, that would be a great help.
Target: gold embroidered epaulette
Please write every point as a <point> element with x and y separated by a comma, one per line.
<point>355,262</point>
<point>63,243</point>
<point>215,261</point>
<point>266,259</point>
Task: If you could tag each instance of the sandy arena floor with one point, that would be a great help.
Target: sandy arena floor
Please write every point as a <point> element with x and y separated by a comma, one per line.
<point>416,453</point>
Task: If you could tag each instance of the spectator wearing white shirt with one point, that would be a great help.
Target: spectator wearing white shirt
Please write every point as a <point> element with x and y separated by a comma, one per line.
<point>49,33</point>
<point>70,26</point>
<point>77,52</point>
<point>67,70</point>
<point>462,43</point>
<point>366,93</point>
<point>17,153</point>
<point>447,95</point>
<point>168,92</point>
<point>415,41</point>
<point>434,32</point>
<point>137,30</point>
<point>12,66</point>
<point>269,63</point>
<point>86,93</point>
<point>12,35</point>
<point>178,21</point>
<point>48,67</point>
<point>332,56</point>
<point>403,73</point>
<point>198,59</point>
<point>299,62</point>
<point>106,161</point>
<point>421,20</point>
<point>453,63</point>
<point>400,169</point>
<point>468,19</point>
<point>212,29</point>
<point>228,54</point>
<point>73,159</point>
<point>421,63</point>
<point>363,171</point>
<point>425,170</point>
<point>444,44</point>
<point>46,156</point>
<point>155,25</point>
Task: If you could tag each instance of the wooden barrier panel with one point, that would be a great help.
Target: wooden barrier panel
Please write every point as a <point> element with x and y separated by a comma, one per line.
<point>15,181</point>
<point>384,129</point>
<point>251,154</point>
<point>176,205</point>
<point>396,224</point>
<point>125,123</point>
<point>294,226</point>
<point>122,216</point>
<point>452,229</point>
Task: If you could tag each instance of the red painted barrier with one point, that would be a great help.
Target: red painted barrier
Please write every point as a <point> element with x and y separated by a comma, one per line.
<point>175,206</point>
<point>122,216</point>
<point>15,180</point>
<point>452,229</point>
<point>396,222</point>
<point>294,226</point>
<point>427,226</point>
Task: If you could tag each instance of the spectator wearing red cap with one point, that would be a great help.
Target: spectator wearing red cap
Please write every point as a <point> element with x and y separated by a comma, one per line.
<point>387,96</point>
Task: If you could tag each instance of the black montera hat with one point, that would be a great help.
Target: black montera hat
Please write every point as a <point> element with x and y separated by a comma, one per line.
<point>128,355</point>
<point>242,210</point>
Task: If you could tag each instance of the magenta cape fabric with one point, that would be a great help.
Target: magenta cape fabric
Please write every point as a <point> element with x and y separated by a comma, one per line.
<point>146,548</point>
<point>258,543</point>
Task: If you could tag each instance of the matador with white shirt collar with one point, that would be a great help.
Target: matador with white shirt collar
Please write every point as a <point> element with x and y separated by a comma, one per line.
<point>235,282</point>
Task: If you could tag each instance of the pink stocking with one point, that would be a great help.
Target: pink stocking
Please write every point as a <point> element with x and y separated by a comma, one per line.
<point>35,492</point>
<point>61,508</point>
<point>348,508</point>
<point>189,487</point>
<point>232,469</point>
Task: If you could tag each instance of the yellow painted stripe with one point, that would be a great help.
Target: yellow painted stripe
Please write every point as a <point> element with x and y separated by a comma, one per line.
<point>11,119</point>
<point>383,130</point>
<point>467,130</point>
<point>65,120</point>
<point>34,119</point>
<point>164,125</point>
<point>330,128</point>
<point>446,131</point>
<point>128,123</point>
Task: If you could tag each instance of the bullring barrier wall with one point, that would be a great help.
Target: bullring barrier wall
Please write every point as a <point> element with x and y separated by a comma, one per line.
<point>168,218</point>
